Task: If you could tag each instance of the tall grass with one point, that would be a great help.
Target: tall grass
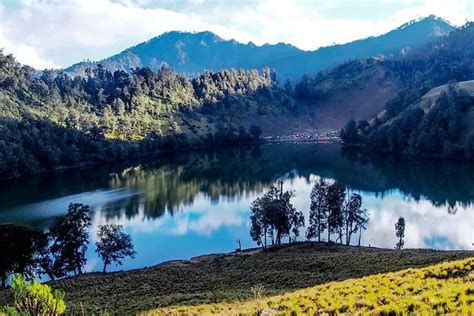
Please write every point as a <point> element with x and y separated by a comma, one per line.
<point>446,288</point>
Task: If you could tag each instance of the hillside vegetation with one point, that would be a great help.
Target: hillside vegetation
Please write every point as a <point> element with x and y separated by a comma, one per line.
<point>438,124</point>
<point>50,120</point>
<point>420,120</point>
<point>446,288</point>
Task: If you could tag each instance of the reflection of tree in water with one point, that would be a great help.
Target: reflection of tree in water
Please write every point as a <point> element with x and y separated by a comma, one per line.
<point>165,183</point>
<point>443,182</point>
<point>175,181</point>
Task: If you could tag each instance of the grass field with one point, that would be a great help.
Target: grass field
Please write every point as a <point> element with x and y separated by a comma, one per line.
<point>229,278</point>
<point>446,288</point>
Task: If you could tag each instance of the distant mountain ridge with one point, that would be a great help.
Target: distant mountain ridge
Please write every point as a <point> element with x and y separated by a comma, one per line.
<point>193,53</point>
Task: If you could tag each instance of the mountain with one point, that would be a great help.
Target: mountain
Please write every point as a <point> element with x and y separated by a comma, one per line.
<point>192,53</point>
<point>433,110</point>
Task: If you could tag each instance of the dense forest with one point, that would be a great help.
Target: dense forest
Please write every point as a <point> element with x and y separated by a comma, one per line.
<point>50,120</point>
<point>410,125</point>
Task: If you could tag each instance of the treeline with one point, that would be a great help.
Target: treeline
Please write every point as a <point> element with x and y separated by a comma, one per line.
<point>61,251</point>
<point>50,120</point>
<point>333,211</point>
<point>121,91</point>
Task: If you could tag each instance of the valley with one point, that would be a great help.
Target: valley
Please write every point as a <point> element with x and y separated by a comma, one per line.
<point>192,173</point>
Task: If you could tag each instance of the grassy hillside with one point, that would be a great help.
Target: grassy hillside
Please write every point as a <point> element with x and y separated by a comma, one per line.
<point>446,288</point>
<point>356,90</point>
<point>228,277</point>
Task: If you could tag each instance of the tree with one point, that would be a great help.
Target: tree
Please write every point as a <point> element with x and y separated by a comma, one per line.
<point>113,245</point>
<point>349,134</point>
<point>46,260</point>
<point>351,213</point>
<point>71,239</point>
<point>296,222</point>
<point>18,246</point>
<point>362,219</point>
<point>259,222</point>
<point>255,132</point>
<point>400,232</point>
<point>336,195</point>
<point>318,210</point>
<point>273,216</point>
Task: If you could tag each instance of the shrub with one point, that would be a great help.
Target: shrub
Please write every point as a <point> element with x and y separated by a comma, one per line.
<point>34,298</point>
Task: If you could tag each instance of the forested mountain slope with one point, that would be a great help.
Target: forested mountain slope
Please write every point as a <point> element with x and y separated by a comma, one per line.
<point>193,53</point>
<point>419,120</point>
<point>50,120</point>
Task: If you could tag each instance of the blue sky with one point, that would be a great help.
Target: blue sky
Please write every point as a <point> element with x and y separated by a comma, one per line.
<point>57,33</point>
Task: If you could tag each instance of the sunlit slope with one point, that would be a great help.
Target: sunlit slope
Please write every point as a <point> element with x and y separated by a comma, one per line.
<point>446,288</point>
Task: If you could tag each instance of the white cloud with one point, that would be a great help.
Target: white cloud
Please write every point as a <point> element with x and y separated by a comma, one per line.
<point>58,33</point>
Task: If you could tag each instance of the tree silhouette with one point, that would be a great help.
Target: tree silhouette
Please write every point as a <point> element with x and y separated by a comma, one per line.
<point>18,245</point>
<point>400,232</point>
<point>318,210</point>
<point>274,216</point>
<point>336,195</point>
<point>113,245</point>
<point>71,239</point>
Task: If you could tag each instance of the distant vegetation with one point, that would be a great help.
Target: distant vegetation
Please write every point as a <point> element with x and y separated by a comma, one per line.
<point>445,288</point>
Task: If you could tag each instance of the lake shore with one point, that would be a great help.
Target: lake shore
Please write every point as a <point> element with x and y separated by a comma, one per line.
<point>228,277</point>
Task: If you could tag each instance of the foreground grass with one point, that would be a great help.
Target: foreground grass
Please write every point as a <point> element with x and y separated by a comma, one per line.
<point>228,278</point>
<point>446,288</point>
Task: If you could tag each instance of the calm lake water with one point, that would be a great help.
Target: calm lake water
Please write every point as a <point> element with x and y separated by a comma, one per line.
<point>188,204</point>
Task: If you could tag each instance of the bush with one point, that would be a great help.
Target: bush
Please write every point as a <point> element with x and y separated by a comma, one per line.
<point>34,299</point>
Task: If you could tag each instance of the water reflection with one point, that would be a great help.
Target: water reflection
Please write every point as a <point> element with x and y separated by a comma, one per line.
<point>187,204</point>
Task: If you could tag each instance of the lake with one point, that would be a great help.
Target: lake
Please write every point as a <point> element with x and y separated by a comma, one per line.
<point>182,205</point>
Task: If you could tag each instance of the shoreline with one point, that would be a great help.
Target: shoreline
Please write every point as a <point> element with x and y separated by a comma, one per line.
<point>162,153</point>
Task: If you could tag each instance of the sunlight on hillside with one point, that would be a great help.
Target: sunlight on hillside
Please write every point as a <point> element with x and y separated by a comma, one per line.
<point>441,289</point>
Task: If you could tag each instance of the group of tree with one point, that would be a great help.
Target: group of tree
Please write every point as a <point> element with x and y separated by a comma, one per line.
<point>274,217</point>
<point>62,250</point>
<point>333,210</point>
<point>51,120</point>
